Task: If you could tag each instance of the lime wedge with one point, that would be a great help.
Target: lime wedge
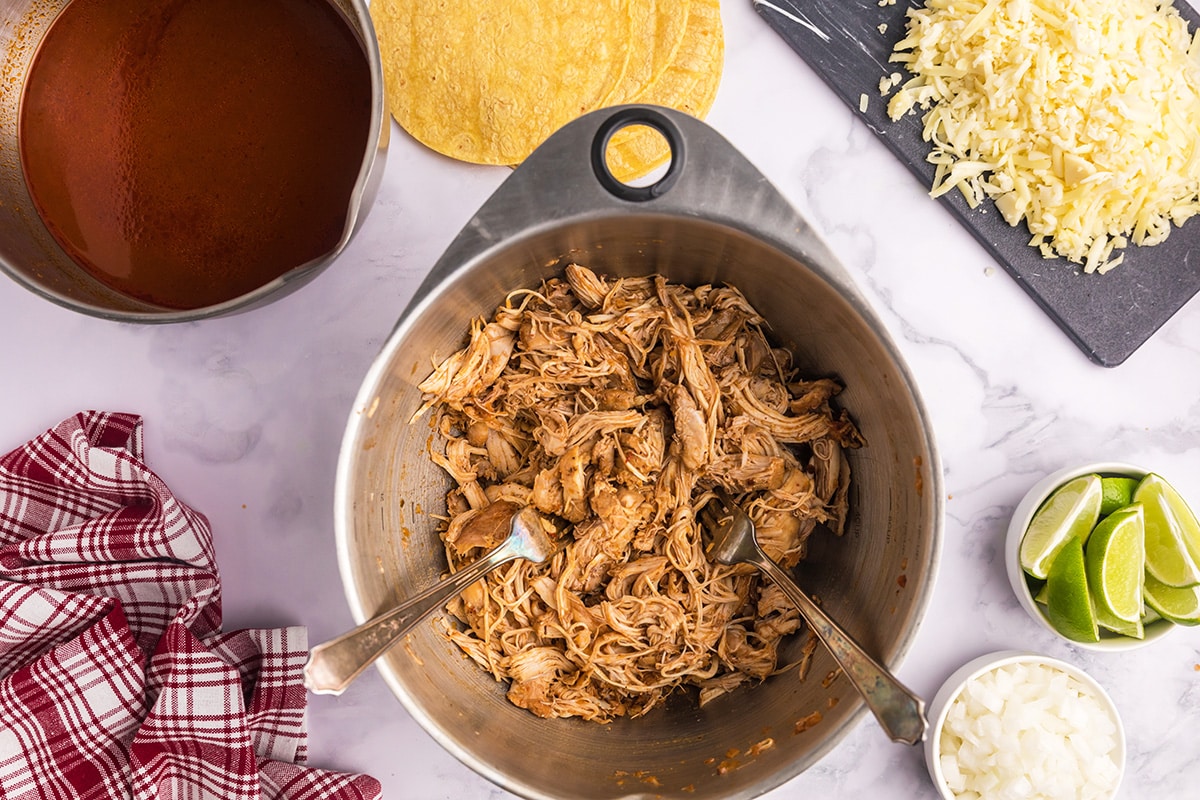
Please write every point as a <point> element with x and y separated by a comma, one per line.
<point>1134,630</point>
<point>1116,565</point>
<point>1115,493</point>
<point>1178,605</point>
<point>1172,533</point>
<point>1068,606</point>
<point>1070,512</point>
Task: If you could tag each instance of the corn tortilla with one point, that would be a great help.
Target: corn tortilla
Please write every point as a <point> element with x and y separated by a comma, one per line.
<point>656,34</point>
<point>488,82</point>
<point>689,84</point>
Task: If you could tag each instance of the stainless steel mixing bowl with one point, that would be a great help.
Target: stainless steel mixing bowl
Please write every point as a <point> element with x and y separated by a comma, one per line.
<point>31,256</point>
<point>711,218</point>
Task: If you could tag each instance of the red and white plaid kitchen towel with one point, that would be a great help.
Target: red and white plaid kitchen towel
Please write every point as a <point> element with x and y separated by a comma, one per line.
<point>115,678</point>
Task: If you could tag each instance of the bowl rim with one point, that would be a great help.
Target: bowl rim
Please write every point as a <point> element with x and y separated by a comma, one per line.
<point>1021,517</point>
<point>362,411</point>
<point>939,707</point>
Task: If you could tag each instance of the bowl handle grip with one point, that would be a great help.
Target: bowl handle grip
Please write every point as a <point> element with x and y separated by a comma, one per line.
<point>625,117</point>
<point>707,178</point>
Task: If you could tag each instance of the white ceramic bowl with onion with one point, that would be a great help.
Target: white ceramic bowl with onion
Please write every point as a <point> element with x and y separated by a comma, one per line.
<point>1023,515</point>
<point>1013,722</point>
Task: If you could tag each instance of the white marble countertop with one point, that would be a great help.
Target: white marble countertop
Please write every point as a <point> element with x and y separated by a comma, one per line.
<point>244,417</point>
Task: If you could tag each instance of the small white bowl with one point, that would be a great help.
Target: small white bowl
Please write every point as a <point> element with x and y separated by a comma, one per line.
<point>939,708</point>
<point>1017,526</point>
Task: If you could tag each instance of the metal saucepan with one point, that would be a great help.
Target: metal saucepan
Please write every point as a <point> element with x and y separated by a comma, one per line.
<point>710,218</point>
<point>30,255</point>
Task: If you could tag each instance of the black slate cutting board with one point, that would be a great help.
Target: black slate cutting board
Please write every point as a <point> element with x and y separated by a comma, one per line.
<point>1108,316</point>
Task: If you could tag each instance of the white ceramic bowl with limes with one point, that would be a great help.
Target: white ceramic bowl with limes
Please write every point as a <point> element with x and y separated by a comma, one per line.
<point>1021,518</point>
<point>1077,706</point>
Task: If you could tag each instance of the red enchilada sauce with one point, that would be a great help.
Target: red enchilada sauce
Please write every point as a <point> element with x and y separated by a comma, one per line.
<point>185,152</point>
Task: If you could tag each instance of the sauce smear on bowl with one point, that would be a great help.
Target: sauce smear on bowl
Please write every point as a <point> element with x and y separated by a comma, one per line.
<point>186,152</point>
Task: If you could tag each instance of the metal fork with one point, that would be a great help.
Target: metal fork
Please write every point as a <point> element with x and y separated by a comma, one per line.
<point>731,540</point>
<point>333,665</point>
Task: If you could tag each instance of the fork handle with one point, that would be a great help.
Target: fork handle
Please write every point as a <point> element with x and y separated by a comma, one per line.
<point>899,711</point>
<point>333,665</point>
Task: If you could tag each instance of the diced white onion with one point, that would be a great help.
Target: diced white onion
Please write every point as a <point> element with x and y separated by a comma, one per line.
<point>1029,731</point>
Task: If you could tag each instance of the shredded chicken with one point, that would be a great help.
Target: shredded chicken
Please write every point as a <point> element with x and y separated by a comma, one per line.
<point>618,405</point>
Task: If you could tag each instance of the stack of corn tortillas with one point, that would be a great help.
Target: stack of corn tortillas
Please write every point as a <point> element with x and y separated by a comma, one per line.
<point>487,82</point>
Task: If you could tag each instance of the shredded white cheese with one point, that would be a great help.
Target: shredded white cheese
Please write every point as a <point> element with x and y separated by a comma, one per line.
<point>1081,117</point>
